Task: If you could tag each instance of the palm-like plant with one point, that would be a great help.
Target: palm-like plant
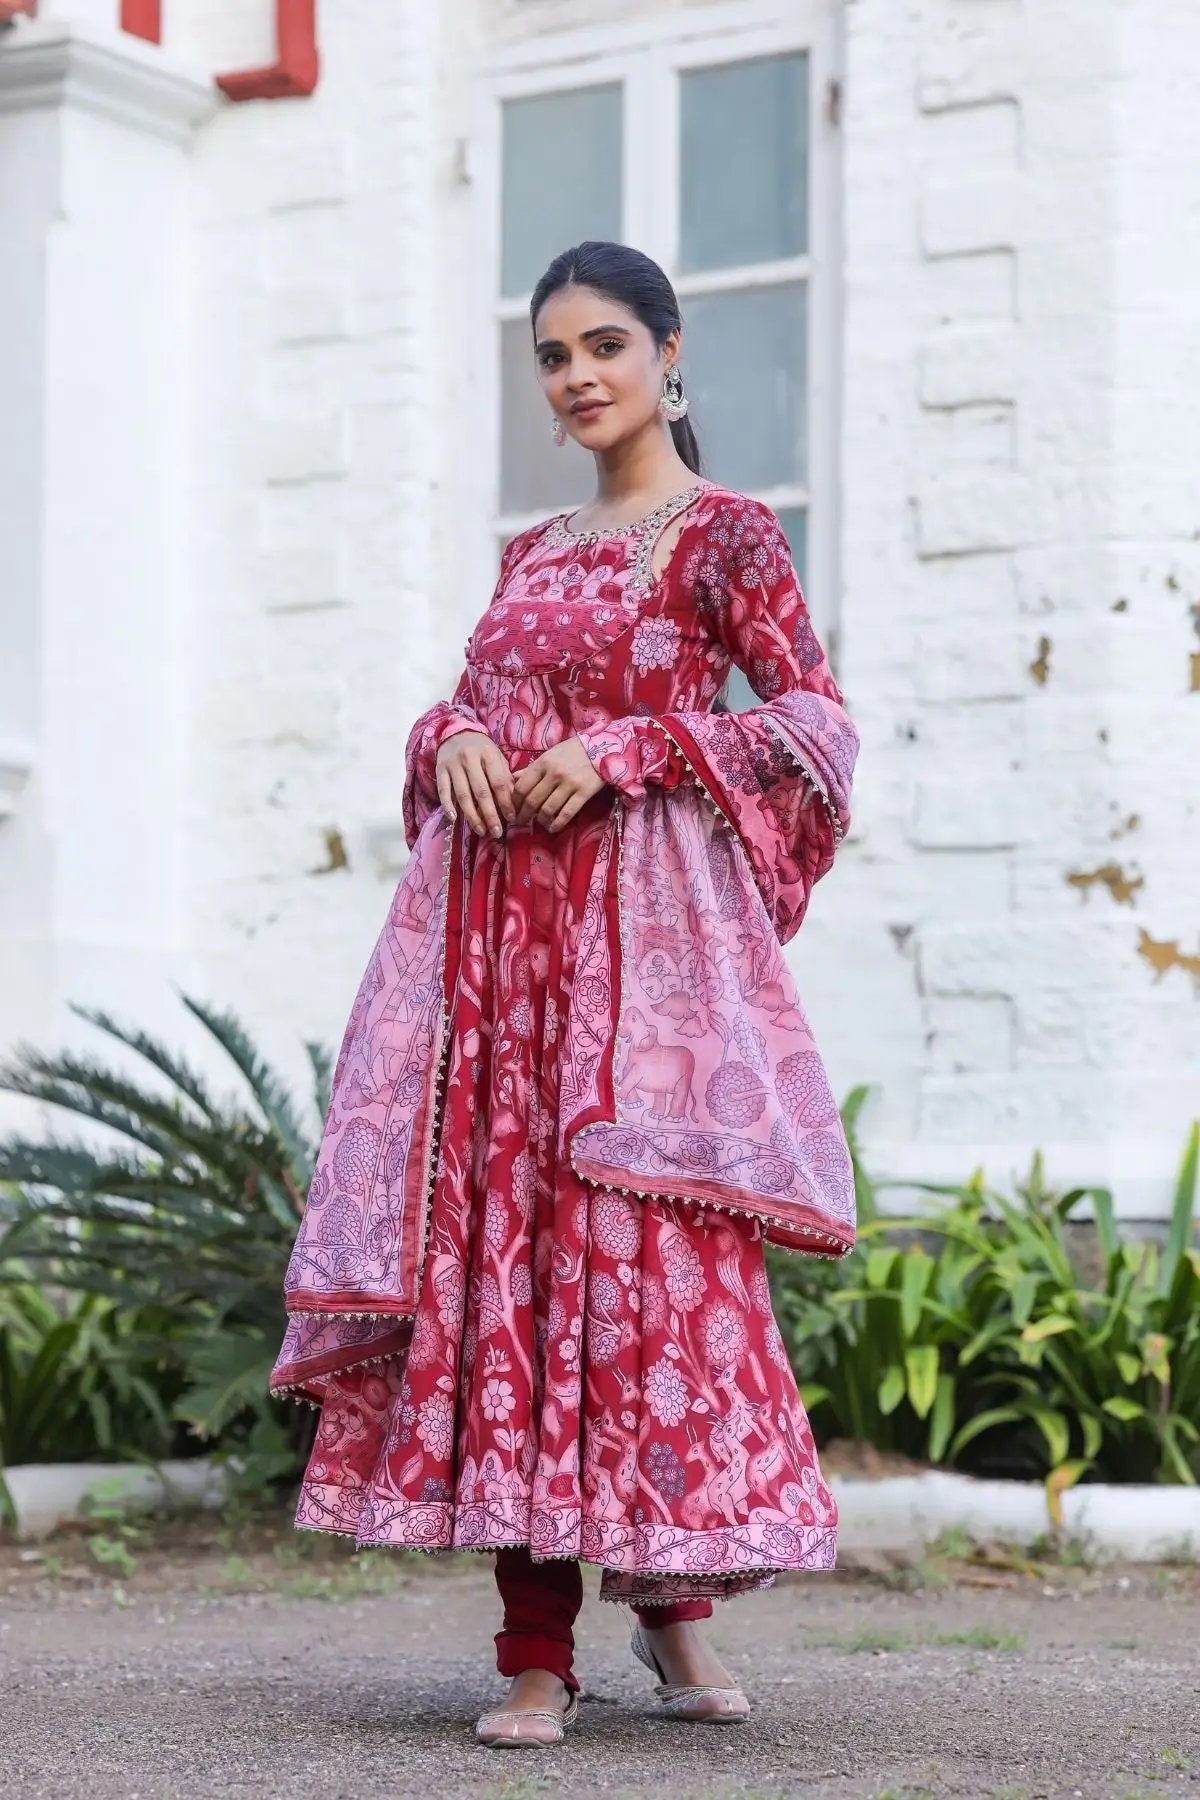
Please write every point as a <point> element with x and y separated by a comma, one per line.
<point>174,1198</point>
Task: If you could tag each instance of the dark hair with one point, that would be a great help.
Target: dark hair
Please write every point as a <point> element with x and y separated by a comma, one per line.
<point>634,281</point>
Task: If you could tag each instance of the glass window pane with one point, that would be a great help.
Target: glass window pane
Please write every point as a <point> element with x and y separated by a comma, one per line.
<point>794,520</point>
<point>534,473</point>
<point>744,361</point>
<point>743,162</point>
<point>561,178</point>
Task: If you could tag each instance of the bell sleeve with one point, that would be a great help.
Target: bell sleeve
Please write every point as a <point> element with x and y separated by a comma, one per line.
<point>434,728</point>
<point>780,773</point>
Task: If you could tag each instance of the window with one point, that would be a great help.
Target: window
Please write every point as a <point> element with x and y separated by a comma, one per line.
<point>711,152</point>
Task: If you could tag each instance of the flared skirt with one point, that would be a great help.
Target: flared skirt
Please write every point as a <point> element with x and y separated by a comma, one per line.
<point>592,1374</point>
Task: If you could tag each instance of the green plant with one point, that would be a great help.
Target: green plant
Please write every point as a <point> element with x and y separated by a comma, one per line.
<point>175,1199</point>
<point>82,1379</point>
<point>113,1545</point>
<point>968,1336</point>
<point>803,1287</point>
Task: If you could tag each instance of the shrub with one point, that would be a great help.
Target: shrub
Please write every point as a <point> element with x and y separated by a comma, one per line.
<point>177,1206</point>
<point>969,1336</point>
<point>81,1379</point>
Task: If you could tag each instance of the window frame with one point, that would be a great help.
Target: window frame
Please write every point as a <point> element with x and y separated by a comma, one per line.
<point>653,52</point>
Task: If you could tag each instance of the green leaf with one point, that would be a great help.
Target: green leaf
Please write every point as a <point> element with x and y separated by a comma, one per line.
<point>1049,1326</point>
<point>983,1340</point>
<point>1156,1357</point>
<point>984,1421</point>
<point>921,1365</point>
<point>1118,1407</point>
<point>866,1199</point>
<point>229,1374</point>
<point>1024,1293</point>
<point>1093,1435</point>
<point>1064,1476</point>
<point>879,1266</point>
<point>322,1067</point>
<point>891,1389</point>
<point>1056,1431</point>
<point>1128,1367</point>
<point>178,1072</point>
<point>916,1270</point>
<point>1175,1457</point>
<point>1104,1214</point>
<point>268,1090</point>
<point>941,1422</point>
<point>1183,1210</point>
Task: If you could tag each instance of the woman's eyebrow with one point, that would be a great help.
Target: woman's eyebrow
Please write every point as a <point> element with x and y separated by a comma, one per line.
<point>595,332</point>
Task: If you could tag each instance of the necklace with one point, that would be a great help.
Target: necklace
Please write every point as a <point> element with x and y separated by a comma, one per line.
<point>646,531</point>
<point>561,533</point>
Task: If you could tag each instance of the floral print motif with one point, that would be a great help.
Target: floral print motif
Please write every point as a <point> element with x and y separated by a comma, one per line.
<point>684,1275</point>
<point>498,1399</point>
<point>655,644</point>
<point>666,1395</point>
<point>436,1426</point>
<point>724,1334</point>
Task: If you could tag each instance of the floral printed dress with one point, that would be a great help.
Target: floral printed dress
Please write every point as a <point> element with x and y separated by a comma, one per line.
<point>592,1373</point>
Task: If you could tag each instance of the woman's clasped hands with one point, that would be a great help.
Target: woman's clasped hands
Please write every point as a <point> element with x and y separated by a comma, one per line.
<point>474,778</point>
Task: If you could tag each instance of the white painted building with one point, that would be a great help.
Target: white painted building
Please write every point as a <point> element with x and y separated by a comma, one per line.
<point>938,260</point>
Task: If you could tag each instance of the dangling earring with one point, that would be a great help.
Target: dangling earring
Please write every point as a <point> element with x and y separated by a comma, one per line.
<point>673,403</point>
<point>558,432</point>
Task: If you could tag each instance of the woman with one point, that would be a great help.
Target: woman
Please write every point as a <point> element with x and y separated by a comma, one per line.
<point>577,1089</point>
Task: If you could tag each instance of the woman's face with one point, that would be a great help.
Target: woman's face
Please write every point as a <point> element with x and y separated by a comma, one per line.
<point>599,366</point>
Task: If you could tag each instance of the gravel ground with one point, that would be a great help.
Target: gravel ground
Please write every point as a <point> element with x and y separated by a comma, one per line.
<point>221,1666</point>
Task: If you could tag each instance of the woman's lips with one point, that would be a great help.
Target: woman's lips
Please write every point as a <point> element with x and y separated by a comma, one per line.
<point>590,409</point>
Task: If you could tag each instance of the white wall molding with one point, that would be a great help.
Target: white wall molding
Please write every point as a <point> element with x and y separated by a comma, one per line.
<point>114,75</point>
<point>96,139</point>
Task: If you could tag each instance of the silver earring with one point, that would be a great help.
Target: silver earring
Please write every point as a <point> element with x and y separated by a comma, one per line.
<point>673,402</point>
<point>558,432</point>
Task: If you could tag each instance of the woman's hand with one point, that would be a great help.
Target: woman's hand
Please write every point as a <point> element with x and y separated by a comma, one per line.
<point>474,777</point>
<point>555,785</point>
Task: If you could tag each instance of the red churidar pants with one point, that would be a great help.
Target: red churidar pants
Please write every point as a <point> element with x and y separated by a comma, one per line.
<point>541,1601</point>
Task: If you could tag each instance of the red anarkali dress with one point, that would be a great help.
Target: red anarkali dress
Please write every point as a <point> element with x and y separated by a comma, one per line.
<point>591,1370</point>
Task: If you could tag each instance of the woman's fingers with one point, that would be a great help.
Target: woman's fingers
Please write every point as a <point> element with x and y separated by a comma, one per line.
<point>500,779</point>
<point>535,795</point>
<point>565,812</point>
<point>473,777</point>
<point>481,789</point>
<point>550,802</point>
<point>465,797</point>
<point>446,792</point>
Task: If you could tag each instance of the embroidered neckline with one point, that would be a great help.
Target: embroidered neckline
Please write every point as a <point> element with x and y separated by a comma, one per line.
<point>560,532</point>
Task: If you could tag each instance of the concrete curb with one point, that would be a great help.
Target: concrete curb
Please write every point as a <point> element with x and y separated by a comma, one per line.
<point>899,1513</point>
<point>46,1495</point>
<point>908,1512</point>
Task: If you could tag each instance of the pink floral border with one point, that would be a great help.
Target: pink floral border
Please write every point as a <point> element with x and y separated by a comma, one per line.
<point>639,1561</point>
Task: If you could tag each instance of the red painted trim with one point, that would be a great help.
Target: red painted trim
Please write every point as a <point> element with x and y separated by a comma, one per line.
<point>142,18</point>
<point>9,9</point>
<point>296,68</point>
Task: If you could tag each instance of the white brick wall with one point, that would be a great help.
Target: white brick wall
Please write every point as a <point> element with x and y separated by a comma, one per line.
<point>319,510</point>
<point>1004,947</point>
<point>1009,371</point>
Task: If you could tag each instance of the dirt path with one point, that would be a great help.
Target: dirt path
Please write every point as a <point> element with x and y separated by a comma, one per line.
<point>271,1669</point>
